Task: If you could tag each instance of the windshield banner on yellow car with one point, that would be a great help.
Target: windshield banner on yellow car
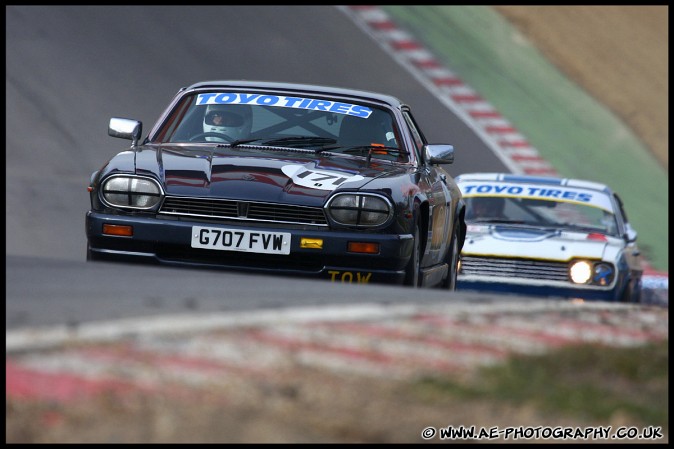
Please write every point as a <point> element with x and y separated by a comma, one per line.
<point>556,193</point>
<point>311,104</point>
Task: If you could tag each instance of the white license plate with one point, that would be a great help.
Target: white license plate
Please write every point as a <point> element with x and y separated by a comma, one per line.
<point>241,240</point>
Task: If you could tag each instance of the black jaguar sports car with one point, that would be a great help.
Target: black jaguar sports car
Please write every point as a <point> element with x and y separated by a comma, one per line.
<point>281,178</point>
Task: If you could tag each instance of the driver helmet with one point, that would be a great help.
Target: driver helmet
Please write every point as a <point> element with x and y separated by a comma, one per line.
<point>232,120</point>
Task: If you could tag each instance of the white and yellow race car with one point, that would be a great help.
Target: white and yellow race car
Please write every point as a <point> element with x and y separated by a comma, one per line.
<point>552,237</point>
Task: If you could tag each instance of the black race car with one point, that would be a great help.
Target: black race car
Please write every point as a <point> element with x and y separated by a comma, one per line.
<point>281,178</point>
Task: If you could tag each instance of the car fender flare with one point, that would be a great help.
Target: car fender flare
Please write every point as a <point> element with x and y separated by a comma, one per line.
<point>459,219</point>
<point>420,214</point>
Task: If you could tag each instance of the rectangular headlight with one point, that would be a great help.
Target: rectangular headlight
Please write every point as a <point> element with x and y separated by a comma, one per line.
<point>359,209</point>
<point>131,191</point>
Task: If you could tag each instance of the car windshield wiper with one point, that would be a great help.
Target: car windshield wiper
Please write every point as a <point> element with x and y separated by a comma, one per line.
<point>496,220</point>
<point>581,228</point>
<point>370,149</point>
<point>291,140</point>
<point>507,221</point>
<point>301,140</point>
<point>236,142</point>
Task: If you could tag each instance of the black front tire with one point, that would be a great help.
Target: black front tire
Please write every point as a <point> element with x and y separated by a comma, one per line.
<point>632,292</point>
<point>413,269</point>
<point>453,262</point>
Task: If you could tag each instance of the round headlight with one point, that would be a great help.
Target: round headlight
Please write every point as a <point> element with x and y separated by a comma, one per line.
<point>580,272</point>
<point>358,209</point>
<point>603,274</point>
<point>131,191</point>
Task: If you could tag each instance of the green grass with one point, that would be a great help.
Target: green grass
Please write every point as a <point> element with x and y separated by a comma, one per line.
<point>588,382</point>
<point>580,137</point>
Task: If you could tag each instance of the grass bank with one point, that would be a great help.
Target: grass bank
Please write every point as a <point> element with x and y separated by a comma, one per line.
<point>579,136</point>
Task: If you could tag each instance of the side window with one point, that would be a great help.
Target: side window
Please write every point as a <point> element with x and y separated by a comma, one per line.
<point>623,220</point>
<point>416,135</point>
<point>620,204</point>
<point>178,126</point>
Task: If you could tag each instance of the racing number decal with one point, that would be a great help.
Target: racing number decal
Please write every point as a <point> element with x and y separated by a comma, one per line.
<point>317,179</point>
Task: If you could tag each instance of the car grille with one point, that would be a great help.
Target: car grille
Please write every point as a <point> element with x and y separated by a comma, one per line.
<point>514,268</point>
<point>243,210</point>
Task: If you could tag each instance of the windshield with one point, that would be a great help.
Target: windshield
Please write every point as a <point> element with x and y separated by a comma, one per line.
<point>235,118</point>
<point>574,210</point>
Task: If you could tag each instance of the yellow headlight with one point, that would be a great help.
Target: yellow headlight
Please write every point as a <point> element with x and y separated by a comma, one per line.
<point>580,272</point>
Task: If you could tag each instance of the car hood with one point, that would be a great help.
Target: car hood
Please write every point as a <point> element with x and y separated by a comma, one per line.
<point>256,174</point>
<point>537,243</point>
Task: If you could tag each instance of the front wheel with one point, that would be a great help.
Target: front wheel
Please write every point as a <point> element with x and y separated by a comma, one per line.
<point>632,292</point>
<point>453,270</point>
<point>412,270</point>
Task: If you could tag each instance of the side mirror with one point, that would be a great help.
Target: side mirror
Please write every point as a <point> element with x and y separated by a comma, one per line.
<point>438,154</point>
<point>630,234</point>
<point>125,128</point>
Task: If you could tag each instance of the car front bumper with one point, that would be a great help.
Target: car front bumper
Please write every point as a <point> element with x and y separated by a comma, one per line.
<point>547,289</point>
<point>168,242</point>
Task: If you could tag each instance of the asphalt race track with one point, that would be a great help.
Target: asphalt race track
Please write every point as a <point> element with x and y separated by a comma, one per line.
<point>69,69</point>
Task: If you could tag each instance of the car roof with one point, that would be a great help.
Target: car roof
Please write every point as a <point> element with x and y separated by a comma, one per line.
<point>531,179</point>
<point>298,88</point>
